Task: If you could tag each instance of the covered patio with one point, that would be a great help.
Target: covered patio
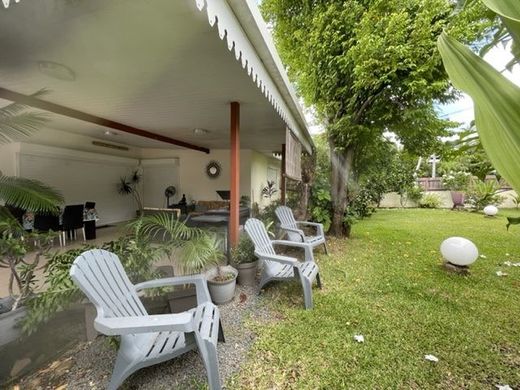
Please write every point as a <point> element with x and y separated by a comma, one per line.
<point>164,87</point>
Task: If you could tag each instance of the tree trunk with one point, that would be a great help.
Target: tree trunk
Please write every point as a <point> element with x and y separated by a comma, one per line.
<point>341,162</point>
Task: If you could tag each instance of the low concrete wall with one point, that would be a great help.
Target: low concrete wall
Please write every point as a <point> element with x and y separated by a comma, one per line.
<point>392,200</point>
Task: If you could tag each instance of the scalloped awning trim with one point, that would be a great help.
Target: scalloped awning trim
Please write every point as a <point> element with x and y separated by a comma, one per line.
<point>6,2</point>
<point>220,13</point>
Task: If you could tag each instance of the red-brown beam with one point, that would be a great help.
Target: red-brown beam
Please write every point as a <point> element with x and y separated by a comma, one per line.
<point>234,207</point>
<point>83,116</point>
<point>283,178</point>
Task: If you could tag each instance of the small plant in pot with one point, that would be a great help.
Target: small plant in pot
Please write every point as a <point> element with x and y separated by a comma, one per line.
<point>244,260</point>
<point>197,251</point>
<point>221,278</point>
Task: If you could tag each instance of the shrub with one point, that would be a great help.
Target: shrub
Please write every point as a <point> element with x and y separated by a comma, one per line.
<point>363,204</point>
<point>244,252</point>
<point>321,210</point>
<point>456,180</point>
<point>480,194</point>
<point>430,201</point>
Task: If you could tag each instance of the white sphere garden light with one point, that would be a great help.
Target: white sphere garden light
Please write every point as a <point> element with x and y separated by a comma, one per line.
<point>490,210</point>
<point>459,251</point>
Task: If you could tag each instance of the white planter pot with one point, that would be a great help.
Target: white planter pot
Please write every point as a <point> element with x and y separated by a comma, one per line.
<point>222,292</point>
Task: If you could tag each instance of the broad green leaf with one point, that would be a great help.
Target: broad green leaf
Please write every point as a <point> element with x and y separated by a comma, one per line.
<point>29,194</point>
<point>497,105</point>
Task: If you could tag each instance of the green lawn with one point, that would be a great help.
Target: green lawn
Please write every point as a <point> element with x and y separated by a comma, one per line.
<point>387,284</point>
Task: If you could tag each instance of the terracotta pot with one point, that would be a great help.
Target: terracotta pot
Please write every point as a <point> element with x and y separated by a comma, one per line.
<point>457,197</point>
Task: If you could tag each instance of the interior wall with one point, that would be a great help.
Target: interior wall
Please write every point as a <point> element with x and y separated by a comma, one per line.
<point>158,174</point>
<point>82,176</point>
<point>68,140</point>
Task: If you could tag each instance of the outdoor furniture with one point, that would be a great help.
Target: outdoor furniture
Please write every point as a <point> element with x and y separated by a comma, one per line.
<point>72,220</point>
<point>291,226</point>
<point>278,267</point>
<point>16,212</point>
<point>46,223</point>
<point>146,339</point>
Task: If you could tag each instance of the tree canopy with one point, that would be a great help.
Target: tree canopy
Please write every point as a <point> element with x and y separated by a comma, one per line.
<point>369,66</point>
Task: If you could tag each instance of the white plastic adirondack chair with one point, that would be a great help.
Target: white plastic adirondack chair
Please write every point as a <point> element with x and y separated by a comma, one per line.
<point>290,225</point>
<point>146,339</point>
<point>278,267</point>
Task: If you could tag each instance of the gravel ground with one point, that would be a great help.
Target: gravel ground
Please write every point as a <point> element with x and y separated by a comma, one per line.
<point>89,365</point>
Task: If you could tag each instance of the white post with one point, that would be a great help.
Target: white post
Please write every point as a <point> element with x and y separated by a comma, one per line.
<point>433,160</point>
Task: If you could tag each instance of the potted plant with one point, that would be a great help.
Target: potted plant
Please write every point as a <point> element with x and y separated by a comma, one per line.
<point>15,246</point>
<point>197,251</point>
<point>130,186</point>
<point>244,260</point>
<point>457,182</point>
<point>221,278</point>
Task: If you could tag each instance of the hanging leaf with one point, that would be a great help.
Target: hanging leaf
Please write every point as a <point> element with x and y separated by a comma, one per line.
<point>496,99</point>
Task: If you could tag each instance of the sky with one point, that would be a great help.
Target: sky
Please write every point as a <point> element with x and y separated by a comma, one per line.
<point>462,110</point>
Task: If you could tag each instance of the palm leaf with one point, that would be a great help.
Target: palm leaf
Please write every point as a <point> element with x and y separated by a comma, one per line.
<point>164,226</point>
<point>24,124</point>
<point>496,99</point>
<point>16,122</point>
<point>29,194</point>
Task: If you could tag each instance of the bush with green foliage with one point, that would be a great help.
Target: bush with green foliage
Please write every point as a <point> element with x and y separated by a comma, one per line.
<point>482,193</point>
<point>15,245</point>
<point>149,239</point>
<point>430,201</point>
<point>456,180</point>
<point>244,252</point>
<point>362,205</point>
<point>321,209</point>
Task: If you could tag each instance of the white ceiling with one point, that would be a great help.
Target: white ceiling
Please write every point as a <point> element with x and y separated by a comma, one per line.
<point>155,65</point>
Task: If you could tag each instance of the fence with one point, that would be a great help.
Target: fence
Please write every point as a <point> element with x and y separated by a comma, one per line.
<point>435,183</point>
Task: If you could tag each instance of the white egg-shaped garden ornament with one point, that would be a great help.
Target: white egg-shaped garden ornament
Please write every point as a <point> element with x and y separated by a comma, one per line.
<point>490,210</point>
<point>459,251</point>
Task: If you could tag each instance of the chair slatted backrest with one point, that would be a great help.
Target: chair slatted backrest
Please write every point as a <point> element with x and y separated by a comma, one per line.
<point>73,217</point>
<point>286,217</point>
<point>101,276</point>
<point>258,234</point>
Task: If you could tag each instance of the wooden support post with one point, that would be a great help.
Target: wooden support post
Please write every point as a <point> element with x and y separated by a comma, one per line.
<point>234,206</point>
<point>283,178</point>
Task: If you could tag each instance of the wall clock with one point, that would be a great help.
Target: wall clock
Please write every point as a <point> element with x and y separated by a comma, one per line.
<point>213,169</point>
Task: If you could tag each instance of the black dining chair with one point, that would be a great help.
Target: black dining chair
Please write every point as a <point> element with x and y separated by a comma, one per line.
<point>46,223</point>
<point>90,205</point>
<point>16,212</point>
<point>72,220</point>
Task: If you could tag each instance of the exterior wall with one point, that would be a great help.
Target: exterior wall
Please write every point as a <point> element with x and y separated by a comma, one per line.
<point>261,167</point>
<point>392,199</point>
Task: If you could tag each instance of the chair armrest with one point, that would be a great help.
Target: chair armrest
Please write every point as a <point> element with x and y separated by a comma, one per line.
<point>201,286</point>
<point>309,255</point>
<point>115,326</point>
<point>279,259</point>
<point>293,230</point>
<point>318,226</point>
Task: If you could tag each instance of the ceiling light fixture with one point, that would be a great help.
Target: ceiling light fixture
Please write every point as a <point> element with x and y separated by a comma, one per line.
<point>200,132</point>
<point>108,132</point>
<point>56,70</point>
